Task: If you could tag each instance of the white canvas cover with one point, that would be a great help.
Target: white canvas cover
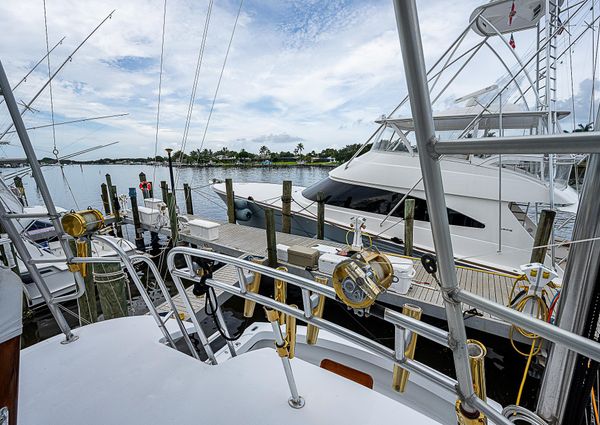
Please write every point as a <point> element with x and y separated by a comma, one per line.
<point>11,299</point>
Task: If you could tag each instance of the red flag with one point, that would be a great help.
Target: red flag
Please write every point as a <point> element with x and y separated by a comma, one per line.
<point>512,13</point>
<point>511,42</point>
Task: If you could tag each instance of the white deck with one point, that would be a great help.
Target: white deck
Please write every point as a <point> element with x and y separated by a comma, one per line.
<point>118,373</point>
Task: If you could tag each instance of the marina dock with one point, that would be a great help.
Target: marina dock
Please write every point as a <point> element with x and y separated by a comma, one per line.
<point>239,240</point>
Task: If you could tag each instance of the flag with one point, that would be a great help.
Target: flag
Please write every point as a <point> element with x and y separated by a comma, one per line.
<point>512,13</point>
<point>511,42</point>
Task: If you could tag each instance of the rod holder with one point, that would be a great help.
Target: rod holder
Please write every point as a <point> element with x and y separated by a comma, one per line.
<point>477,352</point>
<point>280,292</point>
<point>312,332</point>
<point>253,287</point>
<point>400,375</point>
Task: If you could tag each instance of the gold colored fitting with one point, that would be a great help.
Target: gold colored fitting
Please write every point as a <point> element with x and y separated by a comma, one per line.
<point>290,333</point>
<point>82,251</point>
<point>400,375</point>
<point>83,222</point>
<point>312,332</point>
<point>253,287</point>
<point>477,418</point>
<point>280,292</point>
<point>477,352</point>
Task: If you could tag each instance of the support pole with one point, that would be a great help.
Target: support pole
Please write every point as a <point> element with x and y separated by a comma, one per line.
<point>105,198</point>
<point>414,67</point>
<point>320,215</point>
<point>139,232</point>
<point>187,191</point>
<point>542,236</point>
<point>409,222</point>
<point>286,207</point>
<point>36,171</point>
<point>230,200</point>
<point>580,281</point>
<point>271,239</point>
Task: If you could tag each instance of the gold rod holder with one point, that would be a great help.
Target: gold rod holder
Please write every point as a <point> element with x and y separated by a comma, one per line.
<point>312,331</point>
<point>253,287</point>
<point>280,292</point>
<point>477,352</point>
<point>400,375</point>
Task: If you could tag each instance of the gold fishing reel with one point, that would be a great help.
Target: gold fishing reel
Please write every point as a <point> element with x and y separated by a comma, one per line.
<point>359,280</point>
<point>80,223</point>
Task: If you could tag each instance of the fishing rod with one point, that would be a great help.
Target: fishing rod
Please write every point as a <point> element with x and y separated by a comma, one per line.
<point>68,156</point>
<point>35,66</point>
<point>72,122</point>
<point>69,58</point>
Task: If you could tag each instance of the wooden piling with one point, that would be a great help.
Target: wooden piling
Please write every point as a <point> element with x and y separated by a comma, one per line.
<point>114,200</point>
<point>139,232</point>
<point>542,235</point>
<point>110,283</point>
<point>409,223</point>
<point>172,218</point>
<point>230,200</point>
<point>271,238</point>
<point>105,198</point>
<point>164,190</point>
<point>286,207</point>
<point>88,309</point>
<point>320,215</point>
<point>187,191</point>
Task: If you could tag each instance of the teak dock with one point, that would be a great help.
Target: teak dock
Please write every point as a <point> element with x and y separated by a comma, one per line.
<point>239,240</point>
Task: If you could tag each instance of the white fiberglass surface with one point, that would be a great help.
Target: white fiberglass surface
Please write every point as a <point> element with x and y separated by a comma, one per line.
<point>118,372</point>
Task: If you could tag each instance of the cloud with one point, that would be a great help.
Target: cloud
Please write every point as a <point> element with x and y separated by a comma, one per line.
<point>314,71</point>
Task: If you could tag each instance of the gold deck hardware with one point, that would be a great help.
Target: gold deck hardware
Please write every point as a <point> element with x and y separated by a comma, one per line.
<point>312,332</point>
<point>80,223</point>
<point>400,375</point>
<point>477,354</point>
<point>359,280</point>
<point>280,292</point>
<point>288,349</point>
<point>253,287</point>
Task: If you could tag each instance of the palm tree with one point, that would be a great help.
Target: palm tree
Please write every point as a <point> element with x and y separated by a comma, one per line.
<point>264,151</point>
<point>299,149</point>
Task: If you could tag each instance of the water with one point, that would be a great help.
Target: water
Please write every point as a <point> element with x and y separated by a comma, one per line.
<point>82,183</point>
<point>78,186</point>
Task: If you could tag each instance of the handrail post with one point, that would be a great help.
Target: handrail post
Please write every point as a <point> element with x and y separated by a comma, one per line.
<point>414,67</point>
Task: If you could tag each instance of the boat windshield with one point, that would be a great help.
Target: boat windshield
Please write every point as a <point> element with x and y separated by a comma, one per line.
<point>378,201</point>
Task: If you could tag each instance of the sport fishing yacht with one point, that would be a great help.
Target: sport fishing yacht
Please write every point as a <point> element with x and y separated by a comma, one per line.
<point>493,201</point>
<point>149,369</point>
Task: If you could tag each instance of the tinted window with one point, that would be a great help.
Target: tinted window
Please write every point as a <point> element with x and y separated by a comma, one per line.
<point>377,201</point>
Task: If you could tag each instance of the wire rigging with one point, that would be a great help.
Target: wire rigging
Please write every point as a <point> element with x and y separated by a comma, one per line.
<point>55,150</point>
<point>190,110</point>
<point>162,52</point>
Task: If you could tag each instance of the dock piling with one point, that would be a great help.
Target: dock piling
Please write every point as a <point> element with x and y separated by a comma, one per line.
<point>320,215</point>
<point>409,223</point>
<point>187,192</point>
<point>271,238</point>
<point>105,198</point>
<point>139,232</point>
<point>114,200</point>
<point>542,235</point>
<point>286,207</point>
<point>164,189</point>
<point>230,200</point>
<point>19,185</point>
<point>145,193</point>
<point>110,281</point>
<point>172,218</point>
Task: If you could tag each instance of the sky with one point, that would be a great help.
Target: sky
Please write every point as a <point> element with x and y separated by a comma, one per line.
<point>312,72</point>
